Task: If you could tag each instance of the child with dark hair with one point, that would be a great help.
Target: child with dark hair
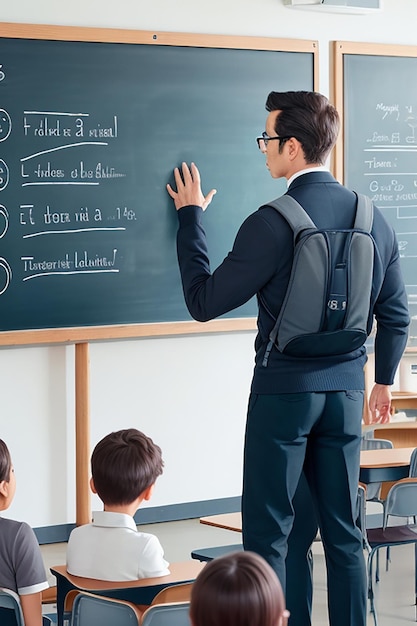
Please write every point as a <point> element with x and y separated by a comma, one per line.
<point>124,467</point>
<point>239,589</point>
<point>21,566</point>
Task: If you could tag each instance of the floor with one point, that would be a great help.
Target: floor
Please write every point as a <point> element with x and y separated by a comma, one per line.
<point>395,591</point>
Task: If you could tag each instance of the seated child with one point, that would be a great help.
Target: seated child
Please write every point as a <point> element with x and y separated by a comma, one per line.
<point>124,467</point>
<point>21,565</point>
<point>239,589</point>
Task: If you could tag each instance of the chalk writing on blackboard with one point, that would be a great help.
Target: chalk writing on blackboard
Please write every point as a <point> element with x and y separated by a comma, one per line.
<point>381,148</point>
<point>390,171</point>
<point>45,166</point>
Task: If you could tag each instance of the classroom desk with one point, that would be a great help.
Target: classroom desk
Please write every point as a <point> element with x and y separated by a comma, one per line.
<point>404,400</point>
<point>229,521</point>
<point>386,465</point>
<point>375,466</point>
<point>137,591</point>
<point>402,434</point>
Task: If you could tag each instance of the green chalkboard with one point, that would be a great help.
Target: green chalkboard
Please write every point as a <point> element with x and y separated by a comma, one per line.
<point>90,131</point>
<point>378,99</point>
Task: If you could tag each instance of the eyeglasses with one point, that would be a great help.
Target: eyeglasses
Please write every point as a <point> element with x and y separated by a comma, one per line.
<point>262,141</point>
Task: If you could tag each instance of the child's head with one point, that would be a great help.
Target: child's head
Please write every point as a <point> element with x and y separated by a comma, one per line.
<point>124,465</point>
<point>239,589</point>
<point>7,480</point>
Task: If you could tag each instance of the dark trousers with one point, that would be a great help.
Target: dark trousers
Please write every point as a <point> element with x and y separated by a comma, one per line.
<point>299,561</point>
<point>318,433</point>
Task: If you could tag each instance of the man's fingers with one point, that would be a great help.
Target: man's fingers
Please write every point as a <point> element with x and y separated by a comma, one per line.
<point>171,192</point>
<point>186,173</point>
<point>178,178</point>
<point>209,197</point>
<point>195,173</point>
<point>188,183</point>
<point>385,414</point>
<point>381,416</point>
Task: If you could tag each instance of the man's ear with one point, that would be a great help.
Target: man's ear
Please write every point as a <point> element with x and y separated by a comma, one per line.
<point>147,494</point>
<point>92,485</point>
<point>293,148</point>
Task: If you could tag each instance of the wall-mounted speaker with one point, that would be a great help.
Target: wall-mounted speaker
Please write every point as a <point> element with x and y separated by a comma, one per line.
<point>336,6</point>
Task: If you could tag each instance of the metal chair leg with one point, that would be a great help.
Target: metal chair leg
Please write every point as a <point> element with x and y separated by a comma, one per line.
<point>415,576</point>
<point>371,596</point>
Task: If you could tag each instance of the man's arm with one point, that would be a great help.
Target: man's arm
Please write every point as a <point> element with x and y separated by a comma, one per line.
<point>393,319</point>
<point>249,266</point>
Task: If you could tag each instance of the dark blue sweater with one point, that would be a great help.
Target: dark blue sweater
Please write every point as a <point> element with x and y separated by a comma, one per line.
<point>260,263</point>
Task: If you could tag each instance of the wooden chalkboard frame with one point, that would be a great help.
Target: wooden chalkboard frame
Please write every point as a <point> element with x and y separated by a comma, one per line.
<point>340,49</point>
<point>86,34</point>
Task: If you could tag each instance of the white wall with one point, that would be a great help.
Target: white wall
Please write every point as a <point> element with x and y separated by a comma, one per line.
<point>189,393</point>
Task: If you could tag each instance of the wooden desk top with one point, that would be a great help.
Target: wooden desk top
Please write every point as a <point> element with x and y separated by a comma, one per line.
<point>229,521</point>
<point>389,457</point>
<point>404,400</point>
<point>408,425</point>
<point>179,572</point>
<point>412,395</point>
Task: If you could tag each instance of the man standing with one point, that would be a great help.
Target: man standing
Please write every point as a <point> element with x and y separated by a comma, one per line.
<point>304,414</point>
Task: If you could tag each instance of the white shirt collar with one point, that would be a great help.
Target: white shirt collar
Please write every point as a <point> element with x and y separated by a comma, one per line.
<point>307,170</point>
<point>113,520</point>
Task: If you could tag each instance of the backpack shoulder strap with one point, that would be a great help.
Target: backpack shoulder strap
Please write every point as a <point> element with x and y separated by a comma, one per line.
<point>364,213</point>
<point>293,213</point>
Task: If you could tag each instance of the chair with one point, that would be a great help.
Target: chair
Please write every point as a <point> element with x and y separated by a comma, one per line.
<point>174,614</point>
<point>49,595</point>
<point>91,610</point>
<point>11,611</point>
<point>412,473</point>
<point>374,489</point>
<point>137,591</point>
<point>370,443</point>
<point>174,593</point>
<point>401,502</point>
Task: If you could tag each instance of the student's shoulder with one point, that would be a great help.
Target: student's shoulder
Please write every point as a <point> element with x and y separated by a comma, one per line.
<point>146,539</point>
<point>78,531</point>
<point>11,527</point>
<point>18,534</point>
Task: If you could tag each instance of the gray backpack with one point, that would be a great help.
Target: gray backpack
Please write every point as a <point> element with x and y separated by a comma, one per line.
<point>326,307</point>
